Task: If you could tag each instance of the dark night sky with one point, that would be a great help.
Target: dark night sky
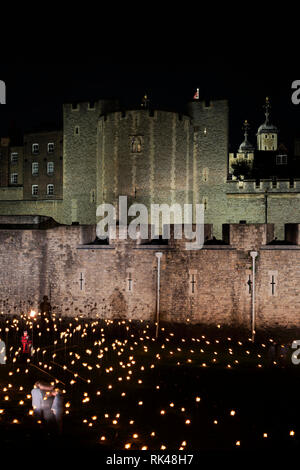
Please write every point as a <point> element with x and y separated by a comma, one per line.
<point>36,91</point>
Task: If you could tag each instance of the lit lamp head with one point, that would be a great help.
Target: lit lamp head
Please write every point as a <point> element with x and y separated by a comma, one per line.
<point>32,314</point>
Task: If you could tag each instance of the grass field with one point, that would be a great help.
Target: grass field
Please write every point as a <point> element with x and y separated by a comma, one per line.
<point>188,390</point>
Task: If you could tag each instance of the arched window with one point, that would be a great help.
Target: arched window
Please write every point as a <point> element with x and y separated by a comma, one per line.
<point>50,189</point>
<point>136,144</point>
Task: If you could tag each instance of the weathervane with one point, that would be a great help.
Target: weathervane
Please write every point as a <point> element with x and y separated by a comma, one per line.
<point>246,127</point>
<point>267,107</point>
<point>145,102</point>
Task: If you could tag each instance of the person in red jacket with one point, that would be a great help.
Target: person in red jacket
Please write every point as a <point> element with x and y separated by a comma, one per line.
<point>26,343</point>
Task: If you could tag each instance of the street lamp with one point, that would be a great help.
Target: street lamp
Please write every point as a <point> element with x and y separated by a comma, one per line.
<point>158,256</point>
<point>32,316</point>
<point>253,255</point>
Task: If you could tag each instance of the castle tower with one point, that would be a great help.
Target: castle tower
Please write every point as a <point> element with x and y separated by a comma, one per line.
<point>210,159</point>
<point>267,134</point>
<point>246,148</point>
<point>80,159</point>
<point>145,155</point>
<point>245,152</point>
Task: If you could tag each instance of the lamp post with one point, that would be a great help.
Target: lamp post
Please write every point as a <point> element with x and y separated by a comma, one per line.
<point>253,255</point>
<point>32,316</point>
<point>266,206</point>
<point>158,256</point>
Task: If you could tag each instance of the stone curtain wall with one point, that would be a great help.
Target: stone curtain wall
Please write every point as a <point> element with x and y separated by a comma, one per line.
<point>240,237</point>
<point>283,305</point>
<point>207,286</point>
<point>23,267</point>
<point>248,203</point>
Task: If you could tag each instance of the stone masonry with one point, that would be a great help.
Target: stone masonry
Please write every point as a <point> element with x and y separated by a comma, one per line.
<point>210,286</point>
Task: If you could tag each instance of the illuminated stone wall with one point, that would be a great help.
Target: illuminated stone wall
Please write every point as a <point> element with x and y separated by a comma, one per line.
<point>209,286</point>
<point>157,169</point>
<point>247,202</point>
<point>210,160</point>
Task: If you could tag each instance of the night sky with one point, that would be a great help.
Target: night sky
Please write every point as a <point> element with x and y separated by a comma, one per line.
<point>36,91</point>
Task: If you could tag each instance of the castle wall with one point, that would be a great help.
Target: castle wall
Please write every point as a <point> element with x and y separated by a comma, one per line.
<point>10,193</point>
<point>16,207</point>
<point>160,172</point>
<point>210,155</point>
<point>246,202</point>
<point>209,286</point>
<point>183,159</point>
<point>279,267</point>
<point>79,160</point>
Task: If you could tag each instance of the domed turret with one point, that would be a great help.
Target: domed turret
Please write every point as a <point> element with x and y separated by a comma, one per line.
<point>244,155</point>
<point>246,146</point>
<point>267,133</point>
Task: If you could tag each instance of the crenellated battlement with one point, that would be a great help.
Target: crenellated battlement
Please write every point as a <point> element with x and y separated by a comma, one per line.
<point>260,186</point>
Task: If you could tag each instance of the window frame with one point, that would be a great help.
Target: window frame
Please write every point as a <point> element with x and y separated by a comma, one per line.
<point>32,191</point>
<point>281,160</point>
<point>48,186</point>
<point>53,148</point>
<point>34,173</point>
<point>50,172</point>
<point>11,178</point>
<point>12,155</point>
<point>35,152</point>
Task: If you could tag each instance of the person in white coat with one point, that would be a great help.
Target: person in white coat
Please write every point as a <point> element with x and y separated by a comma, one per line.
<point>37,401</point>
<point>42,400</point>
<point>2,352</point>
<point>58,409</point>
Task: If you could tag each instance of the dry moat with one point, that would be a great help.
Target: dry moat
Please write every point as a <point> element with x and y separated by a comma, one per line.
<point>191,389</point>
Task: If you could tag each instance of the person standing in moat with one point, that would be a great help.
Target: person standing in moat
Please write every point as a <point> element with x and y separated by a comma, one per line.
<point>2,352</point>
<point>26,344</point>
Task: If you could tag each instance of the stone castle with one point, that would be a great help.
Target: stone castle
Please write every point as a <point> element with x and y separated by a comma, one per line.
<point>151,156</point>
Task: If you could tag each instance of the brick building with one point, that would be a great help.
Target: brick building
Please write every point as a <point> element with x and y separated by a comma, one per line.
<point>43,166</point>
